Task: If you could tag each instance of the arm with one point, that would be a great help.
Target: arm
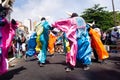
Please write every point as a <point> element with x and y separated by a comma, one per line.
<point>63,25</point>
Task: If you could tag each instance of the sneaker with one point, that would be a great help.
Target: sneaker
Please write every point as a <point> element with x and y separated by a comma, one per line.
<point>68,69</point>
<point>86,68</point>
<point>41,65</point>
<point>95,60</point>
<point>11,65</point>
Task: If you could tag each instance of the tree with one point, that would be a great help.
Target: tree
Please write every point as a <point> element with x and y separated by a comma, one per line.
<point>103,19</point>
<point>118,18</point>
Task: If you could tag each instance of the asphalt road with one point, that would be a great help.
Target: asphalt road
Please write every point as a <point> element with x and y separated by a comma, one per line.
<point>54,70</point>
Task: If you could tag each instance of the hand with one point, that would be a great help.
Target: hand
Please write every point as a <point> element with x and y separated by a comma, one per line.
<point>13,21</point>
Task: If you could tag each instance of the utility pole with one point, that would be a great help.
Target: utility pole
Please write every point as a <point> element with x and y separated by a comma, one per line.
<point>114,13</point>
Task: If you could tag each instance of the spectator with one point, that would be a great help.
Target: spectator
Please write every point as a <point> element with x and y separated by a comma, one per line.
<point>114,35</point>
<point>23,42</point>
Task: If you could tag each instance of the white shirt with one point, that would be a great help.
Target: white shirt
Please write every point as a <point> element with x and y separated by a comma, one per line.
<point>114,33</point>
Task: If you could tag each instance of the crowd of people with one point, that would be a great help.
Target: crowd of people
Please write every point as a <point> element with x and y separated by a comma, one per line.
<point>72,36</point>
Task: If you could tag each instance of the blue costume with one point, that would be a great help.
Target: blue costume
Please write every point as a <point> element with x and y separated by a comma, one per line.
<point>31,45</point>
<point>44,41</point>
<point>83,41</point>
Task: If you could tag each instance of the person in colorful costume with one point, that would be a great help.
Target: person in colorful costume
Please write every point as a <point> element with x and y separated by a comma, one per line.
<point>44,37</point>
<point>39,30</point>
<point>31,45</point>
<point>51,42</point>
<point>75,32</point>
<point>97,45</point>
<point>7,32</point>
<point>84,45</point>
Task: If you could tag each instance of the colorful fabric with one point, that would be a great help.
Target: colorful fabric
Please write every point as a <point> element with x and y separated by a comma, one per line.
<point>39,30</point>
<point>76,36</point>
<point>98,45</point>
<point>66,43</point>
<point>68,26</point>
<point>8,32</point>
<point>44,41</point>
<point>31,45</point>
<point>38,46</point>
<point>51,43</point>
<point>83,42</point>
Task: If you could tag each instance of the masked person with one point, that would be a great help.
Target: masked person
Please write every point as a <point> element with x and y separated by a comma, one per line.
<point>78,39</point>
<point>44,37</point>
<point>99,50</point>
<point>7,32</point>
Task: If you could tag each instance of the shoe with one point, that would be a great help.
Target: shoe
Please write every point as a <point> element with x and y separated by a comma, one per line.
<point>11,65</point>
<point>86,67</point>
<point>103,62</point>
<point>41,65</point>
<point>68,69</point>
<point>25,57</point>
<point>52,55</point>
<point>95,60</point>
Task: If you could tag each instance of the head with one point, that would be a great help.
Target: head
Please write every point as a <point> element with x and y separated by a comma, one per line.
<point>115,29</point>
<point>43,18</point>
<point>22,34</point>
<point>74,15</point>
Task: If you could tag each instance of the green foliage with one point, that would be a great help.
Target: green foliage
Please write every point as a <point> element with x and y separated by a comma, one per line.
<point>118,18</point>
<point>103,19</point>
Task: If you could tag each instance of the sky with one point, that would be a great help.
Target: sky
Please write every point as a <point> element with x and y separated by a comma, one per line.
<point>55,9</point>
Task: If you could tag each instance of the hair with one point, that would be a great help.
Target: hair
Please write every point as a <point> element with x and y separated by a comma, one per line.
<point>74,15</point>
<point>115,29</point>
<point>43,18</point>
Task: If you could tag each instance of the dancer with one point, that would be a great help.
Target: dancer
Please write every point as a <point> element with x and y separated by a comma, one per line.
<point>84,45</point>
<point>31,45</point>
<point>51,42</point>
<point>75,27</point>
<point>44,37</point>
<point>97,45</point>
<point>7,32</point>
<point>23,44</point>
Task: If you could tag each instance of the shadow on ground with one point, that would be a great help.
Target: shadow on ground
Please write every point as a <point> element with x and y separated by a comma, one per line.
<point>104,74</point>
<point>9,75</point>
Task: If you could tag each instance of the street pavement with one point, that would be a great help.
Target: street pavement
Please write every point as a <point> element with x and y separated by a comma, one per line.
<point>54,69</point>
